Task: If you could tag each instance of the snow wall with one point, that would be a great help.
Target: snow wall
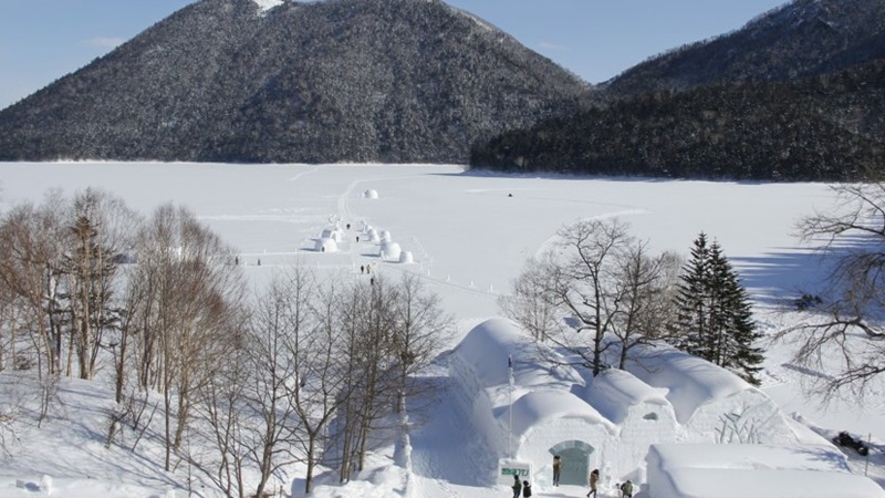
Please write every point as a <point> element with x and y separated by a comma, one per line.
<point>760,471</point>
<point>711,403</point>
<point>542,406</point>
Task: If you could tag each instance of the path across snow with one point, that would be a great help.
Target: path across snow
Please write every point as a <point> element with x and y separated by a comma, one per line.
<point>470,240</point>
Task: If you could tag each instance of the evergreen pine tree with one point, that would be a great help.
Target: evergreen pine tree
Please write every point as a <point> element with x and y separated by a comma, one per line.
<point>692,301</point>
<point>715,319</point>
<point>738,334</point>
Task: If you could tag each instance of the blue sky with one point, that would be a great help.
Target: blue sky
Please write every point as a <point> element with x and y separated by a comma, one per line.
<point>42,40</point>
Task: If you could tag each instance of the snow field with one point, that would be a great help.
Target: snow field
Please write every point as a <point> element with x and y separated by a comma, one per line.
<point>469,238</point>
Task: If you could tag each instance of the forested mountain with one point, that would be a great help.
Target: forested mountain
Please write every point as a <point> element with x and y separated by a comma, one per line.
<point>800,39</point>
<point>797,94</point>
<point>821,128</point>
<point>339,80</point>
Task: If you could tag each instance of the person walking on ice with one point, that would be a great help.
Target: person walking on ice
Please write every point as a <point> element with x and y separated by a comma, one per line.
<point>526,489</point>
<point>517,487</point>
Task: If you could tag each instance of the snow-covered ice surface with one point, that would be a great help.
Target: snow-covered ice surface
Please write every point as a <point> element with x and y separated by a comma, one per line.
<point>469,235</point>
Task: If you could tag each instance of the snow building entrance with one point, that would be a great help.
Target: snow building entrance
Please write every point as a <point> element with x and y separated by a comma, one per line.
<point>575,457</point>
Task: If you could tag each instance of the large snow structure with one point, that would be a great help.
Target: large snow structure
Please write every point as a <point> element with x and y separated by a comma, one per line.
<point>757,470</point>
<point>391,250</point>
<point>642,412</point>
<point>548,408</point>
<point>711,403</point>
<point>334,233</point>
<point>326,245</point>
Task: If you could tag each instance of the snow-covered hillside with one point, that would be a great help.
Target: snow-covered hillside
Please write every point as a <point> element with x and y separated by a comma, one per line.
<point>468,235</point>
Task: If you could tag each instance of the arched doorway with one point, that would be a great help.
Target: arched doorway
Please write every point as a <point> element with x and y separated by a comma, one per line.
<point>575,457</point>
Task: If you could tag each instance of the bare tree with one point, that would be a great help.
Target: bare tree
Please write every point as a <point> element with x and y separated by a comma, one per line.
<point>420,324</point>
<point>283,353</point>
<point>100,228</point>
<point>189,302</point>
<point>324,382</point>
<point>844,335</point>
<point>528,304</point>
<point>645,285</point>
<point>595,282</point>
<point>29,273</point>
<point>579,278</point>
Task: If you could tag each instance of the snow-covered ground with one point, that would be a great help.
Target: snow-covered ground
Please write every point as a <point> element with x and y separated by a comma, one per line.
<point>469,234</point>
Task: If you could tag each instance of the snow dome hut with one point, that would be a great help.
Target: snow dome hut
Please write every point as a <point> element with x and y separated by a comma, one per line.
<point>326,245</point>
<point>406,258</point>
<point>391,250</point>
<point>643,412</point>
<point>540,406</point>
<point>711,403</point>
<point>757,470</point>
<point>547,418</point>
<point>370,194</point>
<point>385,236</point>
<point>333,233</point>
<point>373,235</point>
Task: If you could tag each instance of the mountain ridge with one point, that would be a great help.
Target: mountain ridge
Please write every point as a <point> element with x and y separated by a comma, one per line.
<point>341,80</point>
<point>799,39</point>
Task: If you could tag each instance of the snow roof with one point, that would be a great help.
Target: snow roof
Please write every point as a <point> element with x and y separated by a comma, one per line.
<point>493,345</point>
<point>538,407</point>
<point>761,471</point>
<point>749,456</point>
<point>770,483</point>
<point>690,381</point>
<point>326,245</point>
<point>613,391</point>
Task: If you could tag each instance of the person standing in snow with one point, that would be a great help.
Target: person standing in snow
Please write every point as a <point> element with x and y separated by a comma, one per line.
<point>526,489</point>
<point>594,482</point>
<point>627,489</point>
<point>517,487</point>
<point>557,469</point>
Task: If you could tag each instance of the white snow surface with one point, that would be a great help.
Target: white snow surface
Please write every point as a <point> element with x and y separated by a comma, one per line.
<point>689,380</point>
<point>760,471</point>
<point>470,235</point>
<point>614,391</point>
<point>266,5</point>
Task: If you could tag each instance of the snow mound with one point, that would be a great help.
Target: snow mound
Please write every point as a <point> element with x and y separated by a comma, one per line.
<point>761,471</point>
<point>333,233</point>
<point>391,250</point>
<point>540,407</point>
<point>370,194</point>
<point>326,245</point>
<point>613,392</point>
<point>690,381</point>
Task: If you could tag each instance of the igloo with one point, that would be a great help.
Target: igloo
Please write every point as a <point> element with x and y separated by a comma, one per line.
<point>406,257</point>
<point>385,236</point>
<point>548,407</point>
<point>333,233</point>
<point>370,194</point>
<point>710,403</point>
<point>373,235</point>
<point>758,470</point>
<point>391,250</point>
<point>326,245</point>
